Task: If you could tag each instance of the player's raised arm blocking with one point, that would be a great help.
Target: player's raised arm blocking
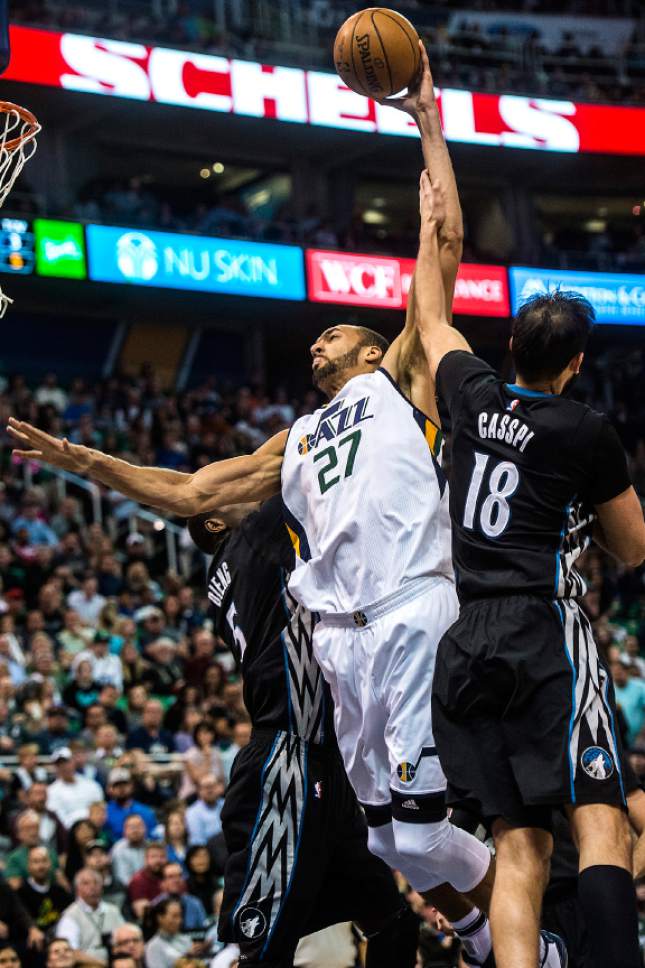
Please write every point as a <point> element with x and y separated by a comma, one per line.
<point>437,334</point>
<point>235,481</point>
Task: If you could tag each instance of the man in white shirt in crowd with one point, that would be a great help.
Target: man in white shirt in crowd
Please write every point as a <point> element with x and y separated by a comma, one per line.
<point>203,816</point>
<point>70,795</point>
<point>106,668</point>
<point>128,853</point>
<point>86,600</point>
<point>89,921</point>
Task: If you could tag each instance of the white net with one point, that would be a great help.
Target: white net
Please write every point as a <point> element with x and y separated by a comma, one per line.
<point>18,130</point>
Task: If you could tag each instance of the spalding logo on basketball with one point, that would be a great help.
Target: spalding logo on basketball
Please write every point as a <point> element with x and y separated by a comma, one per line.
<point>376,52</point>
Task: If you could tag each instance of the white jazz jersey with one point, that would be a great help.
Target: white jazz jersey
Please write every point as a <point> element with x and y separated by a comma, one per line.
<point>366,500</point>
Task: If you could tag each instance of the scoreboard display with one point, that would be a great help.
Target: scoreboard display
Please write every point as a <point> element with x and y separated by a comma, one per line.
<point>16,246</point>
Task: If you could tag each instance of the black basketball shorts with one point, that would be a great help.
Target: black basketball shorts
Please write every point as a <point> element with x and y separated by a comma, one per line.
<point>524,710</point>
<point>298,857</point>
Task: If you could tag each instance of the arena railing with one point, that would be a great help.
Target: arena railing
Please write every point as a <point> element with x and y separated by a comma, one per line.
<point>128,511</point>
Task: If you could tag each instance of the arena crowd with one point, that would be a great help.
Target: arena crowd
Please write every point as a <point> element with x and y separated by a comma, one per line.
<point>121,712</point>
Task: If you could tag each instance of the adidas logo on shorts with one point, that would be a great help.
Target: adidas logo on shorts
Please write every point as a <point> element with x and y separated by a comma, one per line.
<point>410,805</point>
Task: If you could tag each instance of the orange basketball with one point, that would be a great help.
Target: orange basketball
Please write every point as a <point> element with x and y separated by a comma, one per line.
<point>376,52</point>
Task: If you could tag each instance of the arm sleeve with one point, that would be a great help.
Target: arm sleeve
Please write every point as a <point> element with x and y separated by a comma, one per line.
<point>457,370</point>
<point>609,472</point>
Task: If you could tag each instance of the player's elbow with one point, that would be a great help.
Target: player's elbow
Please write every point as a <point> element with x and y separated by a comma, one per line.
<point>634,557</point>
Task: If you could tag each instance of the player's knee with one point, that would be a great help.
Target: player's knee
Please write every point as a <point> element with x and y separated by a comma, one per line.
<point>380,840</point>
<point>448,854</point>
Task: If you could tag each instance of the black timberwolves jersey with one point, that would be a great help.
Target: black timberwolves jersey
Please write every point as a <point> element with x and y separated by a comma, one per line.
<point>269,633</point>
<point>527,469</point>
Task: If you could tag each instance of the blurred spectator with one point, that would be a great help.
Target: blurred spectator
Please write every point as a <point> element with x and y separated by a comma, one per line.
<point>128,853</point>
<point>168,943</point>
<point>16,926</point>
<point>193,915</point>
<point>42,897</point>
<point>81,833</point>
<point>630,697</point>
<point>176,837</point>
<point>201,759</point>
<point>121,804</point>
<point>89,919</point>
<point>150,736</point>
<point>145,886</point>
<point>16,868</point>
<point>202,880</point>
<point>86,601</point>
<point>70,795</point>
<point>203,816</point>
<point>127,941</point>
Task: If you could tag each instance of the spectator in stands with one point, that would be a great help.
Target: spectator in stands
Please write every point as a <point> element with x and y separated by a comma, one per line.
<point>630,697</point>
<point>167,671</point>
<point>201,759</point>
<point>16,926</point>
<point>30,522</point>
<point>9,957</point>
<point>145,886</point>
<point>28,771</point>
<point>51,831</point>
<point>203,816</point>
<point>193,915</point>
<point>89,920</point>
<point>81,833</point>
<point>106,668</point>
<point>42,897</point>
<point>60,954</point>
<point>81,691</point>
<point>176,837</point>
<point>127,941</point>
<point>70,795</point>
<point>121,804</point>
<point>128,853</point>
<point>109,699</point>
<point>202,880</point>
<point>16,868</point>
<point>58,732</point>
<point>50,394</point>
<point>107,752</point>
<point>168,943</point>
<point>86,600</point>
<point>150,736</point>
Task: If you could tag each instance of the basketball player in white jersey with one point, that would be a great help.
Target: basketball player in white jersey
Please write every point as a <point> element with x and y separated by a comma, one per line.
<point>367,505</point>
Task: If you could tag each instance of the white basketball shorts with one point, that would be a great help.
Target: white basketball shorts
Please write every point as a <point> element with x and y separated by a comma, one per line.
<point>379,663</point>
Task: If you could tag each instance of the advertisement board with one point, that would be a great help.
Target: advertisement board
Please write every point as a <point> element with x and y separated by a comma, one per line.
<point>173,261</point>
<point>60,249</point>
<point>16,246</point>
<point>351,279</point>
<point>210,82</point>
<point>616,297</point>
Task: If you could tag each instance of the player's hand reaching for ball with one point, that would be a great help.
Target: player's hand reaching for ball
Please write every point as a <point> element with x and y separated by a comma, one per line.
<point>34,444</point>
<point>432,203</point>
<point>420,96</point>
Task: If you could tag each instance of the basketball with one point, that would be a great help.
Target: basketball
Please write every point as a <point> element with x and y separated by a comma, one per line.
<point>376,52</point>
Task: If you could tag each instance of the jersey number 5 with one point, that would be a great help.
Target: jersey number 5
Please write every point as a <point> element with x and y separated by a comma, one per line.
<point>495,512</point>
<point>331,456</point>
<point>238,634</point>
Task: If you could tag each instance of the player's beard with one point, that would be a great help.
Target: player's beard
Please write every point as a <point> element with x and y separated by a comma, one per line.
<point>323,375</point>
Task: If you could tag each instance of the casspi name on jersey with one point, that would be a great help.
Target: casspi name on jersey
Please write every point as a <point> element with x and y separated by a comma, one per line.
<point>502,426</point>
<point>335,420</point>
<point>218,584</point>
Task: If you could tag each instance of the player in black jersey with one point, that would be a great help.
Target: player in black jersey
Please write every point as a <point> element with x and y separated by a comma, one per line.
<point>296,837</point>
<point>523,706</point>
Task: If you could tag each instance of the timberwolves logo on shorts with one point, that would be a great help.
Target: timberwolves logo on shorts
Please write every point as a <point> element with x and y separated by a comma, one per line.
<point>252,922</point>
<point>406,772</point>
<point>597,763</point>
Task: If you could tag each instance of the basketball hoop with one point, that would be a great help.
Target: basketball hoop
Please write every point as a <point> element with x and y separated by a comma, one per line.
<point>18,130</point>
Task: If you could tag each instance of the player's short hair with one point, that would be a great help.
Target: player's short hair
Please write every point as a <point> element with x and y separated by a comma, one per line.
<point>207,541</point>
<point>369,337</point>
<point>548,331</point>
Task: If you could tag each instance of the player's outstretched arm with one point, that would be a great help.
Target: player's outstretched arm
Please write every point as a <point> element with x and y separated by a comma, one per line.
<point>421,104</point>
<point>437,335</point>
<point>240,479</point>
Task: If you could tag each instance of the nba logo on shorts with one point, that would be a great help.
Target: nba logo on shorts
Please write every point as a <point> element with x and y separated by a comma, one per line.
<point>597,763</point>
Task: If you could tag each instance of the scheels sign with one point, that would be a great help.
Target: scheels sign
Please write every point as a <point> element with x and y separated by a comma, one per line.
<point>214,83</point>
<point>382,281</point>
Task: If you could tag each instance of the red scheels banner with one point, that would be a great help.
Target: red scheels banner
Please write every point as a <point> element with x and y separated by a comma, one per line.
<point>214,83</point>
<point>351,279</point>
